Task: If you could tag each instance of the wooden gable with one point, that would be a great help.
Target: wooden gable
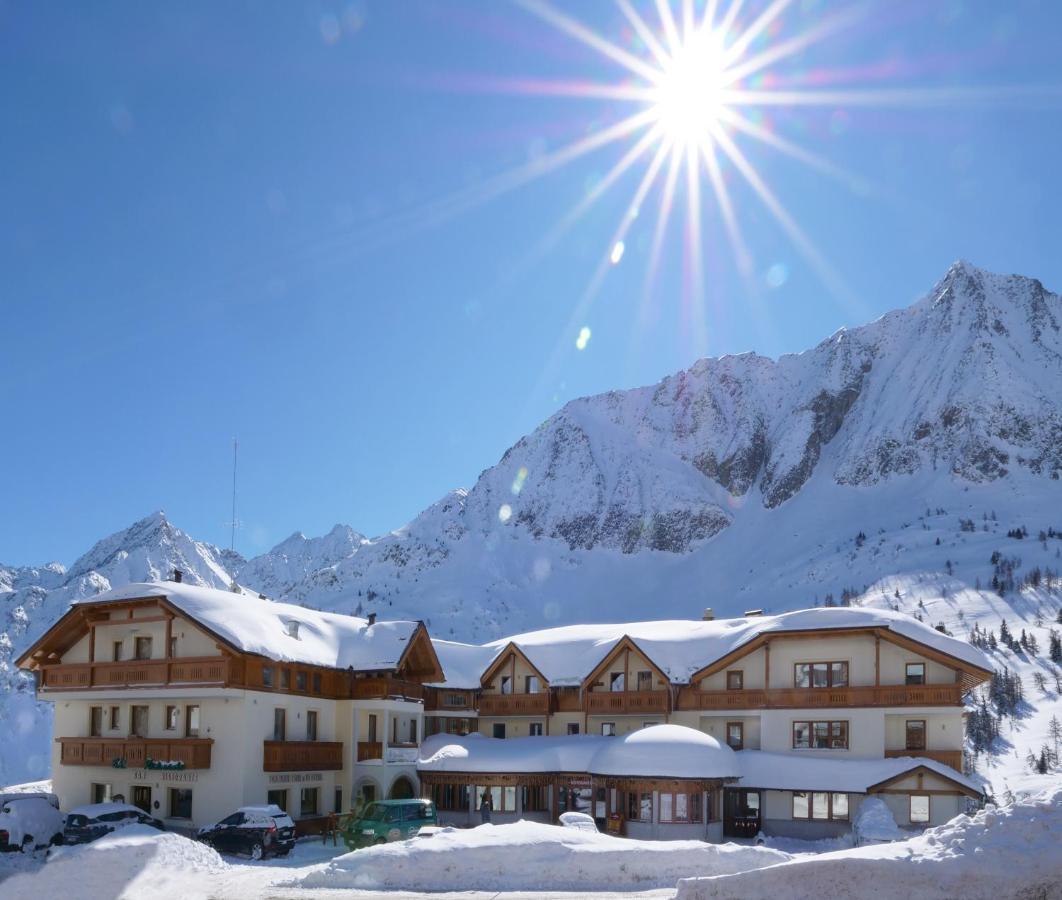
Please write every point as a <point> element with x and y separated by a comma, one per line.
<point>505,658</point>
<point>419,661</point>
<point>624,645</point>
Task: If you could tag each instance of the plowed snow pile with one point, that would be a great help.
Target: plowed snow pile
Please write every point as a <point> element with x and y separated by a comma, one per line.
<point>134,863</point>
<point>532,856</point>
<point>1009,852</point>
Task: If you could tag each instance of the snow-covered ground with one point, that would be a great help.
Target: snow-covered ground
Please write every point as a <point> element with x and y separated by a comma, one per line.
<point>1010,851</point>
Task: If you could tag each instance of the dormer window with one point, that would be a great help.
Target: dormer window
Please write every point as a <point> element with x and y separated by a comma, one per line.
<point>293,629</point>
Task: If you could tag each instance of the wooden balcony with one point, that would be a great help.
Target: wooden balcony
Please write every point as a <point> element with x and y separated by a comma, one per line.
<point>514,704</point>
<point>442,699</point>
<point>134,673</point>
<point>386,689</point>
<point>820,698</point>
<point>302,756</point>
<point>951,758</point>
<point>95,751</point>
<point>626,702</point>
<point>370,750</point>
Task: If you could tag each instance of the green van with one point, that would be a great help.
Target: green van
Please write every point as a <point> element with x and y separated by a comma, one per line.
<point>388,820</point>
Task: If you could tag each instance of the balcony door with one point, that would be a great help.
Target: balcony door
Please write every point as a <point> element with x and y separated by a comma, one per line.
<point>139,722</point>
<point>280,724</point>
<point>373,728</point>
<point>142,797</point>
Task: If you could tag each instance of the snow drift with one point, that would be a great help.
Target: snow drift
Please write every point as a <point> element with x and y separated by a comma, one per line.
<point>1011,851</point>
<point>532,856</point>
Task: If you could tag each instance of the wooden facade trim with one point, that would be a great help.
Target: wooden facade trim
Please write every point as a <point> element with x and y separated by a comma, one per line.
<point>882,787</point>
<point>625,644</point>
<point>509,655</point>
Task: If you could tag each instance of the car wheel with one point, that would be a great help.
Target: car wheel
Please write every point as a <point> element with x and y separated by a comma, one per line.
<point>380,840</point>
<point>256,850</point>
<point>57,840</point>
<point>28,845</point>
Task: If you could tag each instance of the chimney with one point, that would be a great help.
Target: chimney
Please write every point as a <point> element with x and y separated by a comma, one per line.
<point>709,614</point>
<point>372,618</point>
<point>178,575</point>
<point>753,612</point>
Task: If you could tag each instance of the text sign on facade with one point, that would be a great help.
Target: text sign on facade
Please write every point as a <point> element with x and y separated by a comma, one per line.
<point>295,778</point>
<point>163,775</point>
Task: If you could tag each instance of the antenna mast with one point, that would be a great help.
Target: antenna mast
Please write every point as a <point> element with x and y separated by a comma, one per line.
<point>232,537</point>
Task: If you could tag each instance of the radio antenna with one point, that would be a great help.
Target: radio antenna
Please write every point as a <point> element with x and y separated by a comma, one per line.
<point>234,523</point>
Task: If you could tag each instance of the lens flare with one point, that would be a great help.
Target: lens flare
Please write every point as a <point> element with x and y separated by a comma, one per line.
<point>505,513</point>
<point>583,339</point>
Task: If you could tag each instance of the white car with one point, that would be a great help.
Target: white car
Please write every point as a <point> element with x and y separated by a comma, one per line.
<point>28,822</point>
<point>579,821</point>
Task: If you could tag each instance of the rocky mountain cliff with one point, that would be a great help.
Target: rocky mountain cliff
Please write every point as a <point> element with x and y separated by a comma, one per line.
<point>909,445</point>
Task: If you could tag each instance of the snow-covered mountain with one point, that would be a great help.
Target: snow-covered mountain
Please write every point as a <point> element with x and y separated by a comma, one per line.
<point>907,447</point>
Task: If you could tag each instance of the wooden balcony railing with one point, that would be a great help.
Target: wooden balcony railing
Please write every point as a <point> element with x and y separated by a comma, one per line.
<point>385,688</point>
<point>814,698</point>
<point>624,702</point>
<point>370,750</point>
<point>514,704</point>
<point>135,752</point>
<point>134,673</point>
<point>951,758</point>
<point>302,756</point>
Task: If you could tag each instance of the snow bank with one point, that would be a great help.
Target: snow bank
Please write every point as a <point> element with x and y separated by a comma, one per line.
<point>1006,852</point>
<point>532,856</point>
<point>875,822</point>
<point>134,862</point>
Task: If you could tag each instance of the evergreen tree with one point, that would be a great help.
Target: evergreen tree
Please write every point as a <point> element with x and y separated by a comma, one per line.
<point>1054,647</point>
<point>1004,633</point>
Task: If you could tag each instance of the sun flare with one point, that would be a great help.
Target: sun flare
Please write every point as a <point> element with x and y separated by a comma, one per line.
<point>688,98</point>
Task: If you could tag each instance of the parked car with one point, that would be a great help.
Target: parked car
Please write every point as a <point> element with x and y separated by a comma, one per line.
<point>579,821</point>
<point>258,831</point>
<point>389,820</point>
<point>29,821</point>
<point>86,823</point>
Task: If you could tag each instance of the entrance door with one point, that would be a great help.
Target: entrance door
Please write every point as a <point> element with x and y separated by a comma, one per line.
<point>142,797</point>
<point>741,813</point>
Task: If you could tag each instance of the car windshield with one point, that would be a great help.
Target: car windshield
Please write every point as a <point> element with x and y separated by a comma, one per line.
<point>76,821</point>
<point>381,813</point>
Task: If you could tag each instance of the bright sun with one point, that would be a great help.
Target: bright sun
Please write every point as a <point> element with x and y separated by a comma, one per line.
<point>688,97</point>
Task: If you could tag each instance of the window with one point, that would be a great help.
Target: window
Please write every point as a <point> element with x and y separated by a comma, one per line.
<point>267,676</point>
<point>373,737</point>
<point>617,681</point>
<point>735,735</point>
<point>916,673</point>
<point>142,648</point>
<point>451,796</point>
<point>100,793</point>
<point>285,679</point>
<point>116,717</point>
<point>116,651</point>
<point>308,801</point>
<point>300,681</point>
<point>919,809</point>
<point>608,729</point>
<point>171,718</point>
<point>499,729</point>
<point>531,684</point>
<point>915,734</point>
<point>278,798</point>
<point>820,674</point>
<point>173,646</point>
<point>502,799</point>
<point>337,801</point>
<point>820,735</point>
<point>191,720</point>
<point>506,684</point>
<point>412,731</point>
<point>640,806</point>
<point>95,721</point>
<point>311,725</point>
<point>535,799</point>
<point>573,728</point>
<point>645,681</point>
<point>455,700</point>
<point>680,807</point>
<point>317,682</point>
<point>735,680</point>
<point>822,805</point>
<point>180,803</point>
<point>535,729</point>
<point>139,725</point>
<point>280,723</point>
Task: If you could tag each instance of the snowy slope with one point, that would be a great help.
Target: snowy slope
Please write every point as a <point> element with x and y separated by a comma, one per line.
<point>899,448</point>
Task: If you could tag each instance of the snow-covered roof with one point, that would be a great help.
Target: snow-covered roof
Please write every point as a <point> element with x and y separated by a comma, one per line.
<point>795,771</point>
<point>92,810</point>
<point>463,664</point>
<point>662,751</point>
<point>259,626</point>
<point>567,655</point>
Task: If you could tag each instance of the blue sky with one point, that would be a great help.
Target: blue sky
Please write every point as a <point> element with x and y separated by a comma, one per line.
<point>224,219</point>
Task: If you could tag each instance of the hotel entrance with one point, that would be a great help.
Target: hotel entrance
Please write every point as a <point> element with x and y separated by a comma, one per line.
<point>741,813</point>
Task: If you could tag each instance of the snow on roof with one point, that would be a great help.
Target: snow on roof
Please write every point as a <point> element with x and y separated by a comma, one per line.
<point>462,664</point>
<point>91,810</point>
<point>665,751</point>
<point>797,772</point>
<point>262,626</point>
<point>566,655</point>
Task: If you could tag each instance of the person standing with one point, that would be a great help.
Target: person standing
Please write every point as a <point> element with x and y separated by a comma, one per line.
<point>485,807</point>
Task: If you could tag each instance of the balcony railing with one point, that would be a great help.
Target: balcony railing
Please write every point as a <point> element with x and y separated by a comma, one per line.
<point>951,758</point>
<point>134,673</point>
<point>302,756</point>
<point>370,750</point>
<point>621,702</point>
<point>813,698</point>
<point>514,704</point>
<point>386,688</point>
<point>398,754</point>
<point>134,752</point>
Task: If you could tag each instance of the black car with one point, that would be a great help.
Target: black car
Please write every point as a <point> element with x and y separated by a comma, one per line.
<point>256,831</point>
<point>86,823</point>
